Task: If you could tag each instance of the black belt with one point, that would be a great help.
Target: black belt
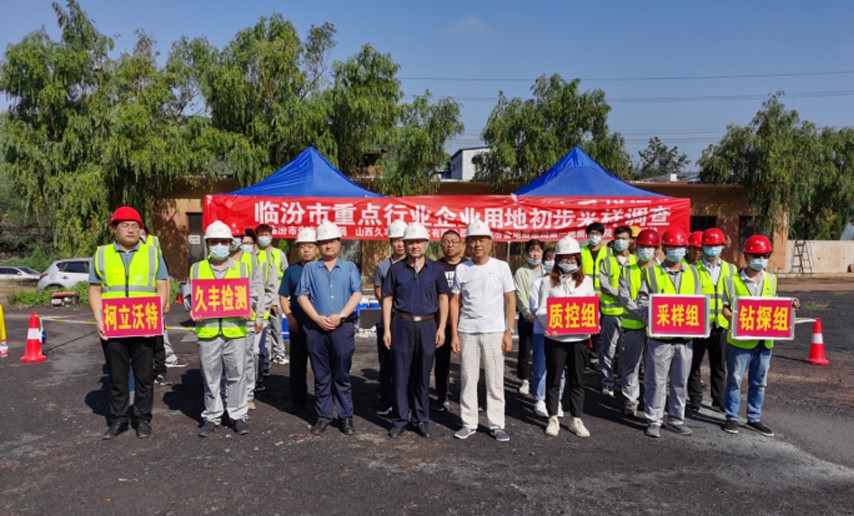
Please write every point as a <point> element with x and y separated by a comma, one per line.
<point>414,318</point>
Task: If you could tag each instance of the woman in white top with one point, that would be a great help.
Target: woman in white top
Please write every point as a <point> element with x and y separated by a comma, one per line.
<point>565,352</point>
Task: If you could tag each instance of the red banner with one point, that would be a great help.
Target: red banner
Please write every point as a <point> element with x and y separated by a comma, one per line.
<point>217,298</point>
<point>511,218</point>
<point>678,316</point>
<point>765,318</point>
<point>132,317</point>
<point>572,315</point>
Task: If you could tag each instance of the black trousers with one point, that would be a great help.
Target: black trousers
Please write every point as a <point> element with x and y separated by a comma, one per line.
<point>715,344</point>
<point>571,357</point>
<point>526,335</point>
<point>159,356</point>
<point>386,362</point>
<point>120,354</point>
<point>413,348</point>
<point>299,367</point>
<point>442,369</point>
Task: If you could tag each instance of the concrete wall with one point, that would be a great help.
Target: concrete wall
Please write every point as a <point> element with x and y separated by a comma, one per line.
<point>826,256</point>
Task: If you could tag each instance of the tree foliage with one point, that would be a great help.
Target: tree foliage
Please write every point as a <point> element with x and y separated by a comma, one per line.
<point>788,166</point>
<point>529,136</point>
<point>658,159</point>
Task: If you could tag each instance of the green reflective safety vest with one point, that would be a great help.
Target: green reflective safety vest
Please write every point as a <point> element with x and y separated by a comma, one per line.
<point>716,292</point>
<point>152,240</point>
<point>255,261</point>
<point>610,305</point>
<point>590,267</point>
<point>660,283</point>
<point>273,257</point>
<point>736,288</point>
<point>633,276</point>
<point>136,280</point>
<point>228,327</point>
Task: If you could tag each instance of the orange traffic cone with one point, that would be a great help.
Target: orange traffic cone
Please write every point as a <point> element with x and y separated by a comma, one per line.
<point>817,346</point>
<point>34,342</point>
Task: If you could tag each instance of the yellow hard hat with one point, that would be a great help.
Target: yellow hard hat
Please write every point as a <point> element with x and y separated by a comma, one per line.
<point>635,231</point>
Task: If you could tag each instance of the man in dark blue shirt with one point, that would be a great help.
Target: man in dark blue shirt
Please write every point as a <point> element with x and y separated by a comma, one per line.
<point>414,291</point>
<point>307,245</point>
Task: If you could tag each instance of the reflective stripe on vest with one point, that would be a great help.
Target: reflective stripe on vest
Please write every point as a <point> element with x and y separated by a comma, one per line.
<point>632,273</point>
<point>152,240</point>
<point>734,284</point>
<point>273,257</point>
<point>252,262</point>
<point>610,305</point>
<point>590,267</point>
<point>136,280</point>
<point>228,327</point>
<point>716,292</point>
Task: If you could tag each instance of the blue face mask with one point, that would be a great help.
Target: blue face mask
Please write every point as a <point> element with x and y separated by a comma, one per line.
<point>235,244</point>
<point>248,248</point>
<point>646,254</point>
<point>675,254</point>
<point>548,265</point>
<point>621,245</point>
<point>264,241</point>
<point>594,239</point>
<point>758,264</point>
<point>534,263</point>
<point>713,251</point>
<point>219,251</point>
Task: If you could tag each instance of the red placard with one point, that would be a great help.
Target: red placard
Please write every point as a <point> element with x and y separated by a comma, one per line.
<point>510,218</point>
<point>132,317</point>
<point>764,318</point>
<point>572,315</point>
<point>217,298</point>
<point>678,316</point>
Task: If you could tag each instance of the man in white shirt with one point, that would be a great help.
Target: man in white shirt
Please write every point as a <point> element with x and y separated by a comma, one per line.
<point>483,309</point>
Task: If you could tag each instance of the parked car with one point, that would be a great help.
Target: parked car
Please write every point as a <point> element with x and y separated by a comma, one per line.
<point>18,273</point>
<point>65,274</point>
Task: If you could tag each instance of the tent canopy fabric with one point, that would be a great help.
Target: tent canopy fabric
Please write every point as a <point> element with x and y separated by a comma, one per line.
<point>578,175</point>
<point>308,175</point>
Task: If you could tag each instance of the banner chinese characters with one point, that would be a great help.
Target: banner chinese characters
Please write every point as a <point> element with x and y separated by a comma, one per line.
<point>132,317</point>
<point>510,218</point>
<point>218,298</point>
<point>572,315</point>
<point>764,318</point>
<point>678,316</point>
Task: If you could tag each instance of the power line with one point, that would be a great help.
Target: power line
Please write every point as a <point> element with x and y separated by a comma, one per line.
<point>650,78</point>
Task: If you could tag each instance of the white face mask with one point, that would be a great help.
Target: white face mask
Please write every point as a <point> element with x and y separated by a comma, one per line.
<point>219,251</point>
<point>621,245</point>
<point>264,241</point>
<point>568,268</point>
<point>247,248</point>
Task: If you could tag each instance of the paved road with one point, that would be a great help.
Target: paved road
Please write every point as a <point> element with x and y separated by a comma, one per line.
<point>52,459</point>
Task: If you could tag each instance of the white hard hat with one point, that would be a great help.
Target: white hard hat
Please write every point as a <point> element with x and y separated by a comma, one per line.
<point>478,228</point>
<point>567,245</point>
<point>307,235</point>
<point>327,231</point>
<point>416,231</point>
<point>396,229</point>
<point>218,229</point>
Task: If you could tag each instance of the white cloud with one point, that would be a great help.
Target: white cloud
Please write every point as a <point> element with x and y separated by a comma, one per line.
<point>468,25</point>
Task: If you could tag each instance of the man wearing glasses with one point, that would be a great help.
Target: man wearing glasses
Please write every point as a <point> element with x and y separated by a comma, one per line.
<point>126,268</point>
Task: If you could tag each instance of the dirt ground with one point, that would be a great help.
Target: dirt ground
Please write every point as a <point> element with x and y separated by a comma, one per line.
<point>52,459</point>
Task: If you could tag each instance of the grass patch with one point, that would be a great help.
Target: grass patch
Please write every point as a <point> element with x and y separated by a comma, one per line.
<point>29,296</point>
<point>815,306</point>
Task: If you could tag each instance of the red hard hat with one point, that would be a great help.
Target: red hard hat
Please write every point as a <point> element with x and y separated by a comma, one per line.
<point>757,244</point>
<point>713,236</point>
<point>648,238</point>
<point>126,213</point>
<point>696,239</point>
<point>675,237</point>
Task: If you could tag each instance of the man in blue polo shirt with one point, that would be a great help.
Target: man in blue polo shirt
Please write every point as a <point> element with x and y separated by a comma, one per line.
<point>329,292</point>
<point>414,291</point>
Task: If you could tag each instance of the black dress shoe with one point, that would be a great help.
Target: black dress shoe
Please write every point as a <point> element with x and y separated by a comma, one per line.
<point>395,431</point>
<point>423,430</point>
<point>319,427</point>
<point>347,427</point>
<point>113,431</point>
<point>143,430</point>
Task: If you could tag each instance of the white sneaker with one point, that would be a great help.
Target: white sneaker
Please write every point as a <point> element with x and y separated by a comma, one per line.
<point>251,404</point>
<point>525,388</point>
<point>554,427</point>
<point>560,410</point>
<point>608,391</point>
<point>577,427</point>
<point>540,409</point>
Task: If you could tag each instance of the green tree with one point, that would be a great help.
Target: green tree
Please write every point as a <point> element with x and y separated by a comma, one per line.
<point>658,159</point>
<point>527,137</point>
<point>787,167</point>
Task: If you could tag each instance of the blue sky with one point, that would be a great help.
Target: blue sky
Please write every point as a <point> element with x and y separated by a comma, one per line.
<point>612,45</point>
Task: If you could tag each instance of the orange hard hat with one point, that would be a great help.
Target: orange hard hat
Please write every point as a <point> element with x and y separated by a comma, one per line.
<point>757,244</point>
<point>695,239</point>
<point>648,238</point>
<point>635,231</point>
<point>675,237</point>
<point>126,214</point>
<point>713,236</point>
